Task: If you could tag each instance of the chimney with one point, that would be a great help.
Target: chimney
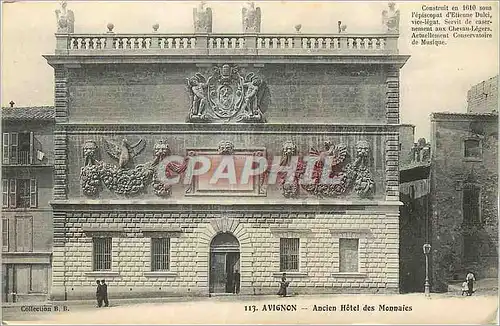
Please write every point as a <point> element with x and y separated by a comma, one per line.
<point>12,104</point>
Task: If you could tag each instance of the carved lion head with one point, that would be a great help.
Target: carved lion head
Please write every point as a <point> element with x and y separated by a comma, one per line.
<point>89,149</point>
<point>226,147</point>
<point>289,148</point>
<point>161,149</point>
<point>362,148</point>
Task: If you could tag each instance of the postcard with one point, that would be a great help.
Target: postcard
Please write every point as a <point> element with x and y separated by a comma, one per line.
<point>269,162</point>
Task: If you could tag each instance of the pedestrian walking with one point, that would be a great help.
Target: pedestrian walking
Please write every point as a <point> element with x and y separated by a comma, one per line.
<point>98,294</point>
<point>104,292</point>
<point>283,286</point>
<point>470,278</point>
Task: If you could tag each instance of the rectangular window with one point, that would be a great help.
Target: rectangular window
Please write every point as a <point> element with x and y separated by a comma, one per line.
<point>5,234</point>
<point>472,148</point>
<point>471,204</point>
<point>24,233</point>
<point>18,148</point>
<point>20,193</point>
<point>348,250</point>
<point>160,254</point>
<point>23,193</point>
<point>102,254</point>
<point>289,254</point>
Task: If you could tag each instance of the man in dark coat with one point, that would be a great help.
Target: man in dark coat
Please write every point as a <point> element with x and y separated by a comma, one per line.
<point>104,291</point>
<point>98,294</point>
<point>236,288</point>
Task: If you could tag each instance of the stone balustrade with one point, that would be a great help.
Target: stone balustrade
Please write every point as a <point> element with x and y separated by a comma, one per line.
<point>231,44</point>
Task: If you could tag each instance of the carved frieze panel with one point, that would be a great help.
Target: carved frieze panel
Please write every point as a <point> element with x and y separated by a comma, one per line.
<point>330,172</point>
<point>224,95</point>
<point>123,179</point>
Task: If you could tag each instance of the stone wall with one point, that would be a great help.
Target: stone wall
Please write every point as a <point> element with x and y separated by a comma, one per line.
<point>320,93</point>
<point>483,97</point>
<point>258,232</point>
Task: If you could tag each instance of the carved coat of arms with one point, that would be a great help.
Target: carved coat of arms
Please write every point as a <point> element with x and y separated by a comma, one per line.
<point>225,96</point>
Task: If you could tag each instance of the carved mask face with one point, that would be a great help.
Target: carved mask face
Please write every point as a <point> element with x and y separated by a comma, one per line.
<point>289,149</point>
<point>89,149</point>
<point>226,147</point>
<point>362,149</point>
<point>161,149</point>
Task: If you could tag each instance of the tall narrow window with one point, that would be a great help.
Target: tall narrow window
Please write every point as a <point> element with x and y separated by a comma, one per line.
<point>348,250</point>
<point>5,234</point>
<point>102,254</point>
<point>289,254</point>
<point>24,148</point>
<point>472,148</point>
<point>471,204</point>
<point>160,254</point>
<point>23,193</point>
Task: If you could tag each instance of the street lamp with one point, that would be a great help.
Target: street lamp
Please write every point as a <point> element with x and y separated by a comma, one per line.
<point>427,285</point>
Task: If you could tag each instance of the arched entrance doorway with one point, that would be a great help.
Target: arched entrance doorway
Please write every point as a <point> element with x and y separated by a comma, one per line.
<point>224,264</point>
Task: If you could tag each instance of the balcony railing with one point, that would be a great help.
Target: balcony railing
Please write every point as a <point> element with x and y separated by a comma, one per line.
<point>233,44</point>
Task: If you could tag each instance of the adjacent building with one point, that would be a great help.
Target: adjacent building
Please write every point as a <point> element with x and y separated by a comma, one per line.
<point>464,196</point>
<point>125,103</point>
<point>450,193</point>
<point>27,167</point>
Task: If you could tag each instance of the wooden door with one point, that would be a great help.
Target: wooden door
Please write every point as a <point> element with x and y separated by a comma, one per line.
<point>218,275</point>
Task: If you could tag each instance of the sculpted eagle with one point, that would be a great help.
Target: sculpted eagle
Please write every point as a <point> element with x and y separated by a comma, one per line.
<point>123,152</point>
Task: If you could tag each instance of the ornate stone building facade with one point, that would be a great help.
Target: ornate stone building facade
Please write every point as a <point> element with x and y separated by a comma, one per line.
<point>125,104</point>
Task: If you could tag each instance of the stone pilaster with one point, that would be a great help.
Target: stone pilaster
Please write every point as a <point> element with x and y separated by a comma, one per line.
<point>392,95</point>
<point>60,166</point>
<point>392,167</point>
<point>61,93</point>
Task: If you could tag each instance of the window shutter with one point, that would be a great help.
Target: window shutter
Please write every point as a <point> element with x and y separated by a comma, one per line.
<point>28,229</point>
<point>5,148</point>
<point>5,234</point>
<point>33,193</point>
<point>32,147</point>
<point>14,138</point>
<point>5,192</point>
<point>13,193</point>
<point>20,234</point>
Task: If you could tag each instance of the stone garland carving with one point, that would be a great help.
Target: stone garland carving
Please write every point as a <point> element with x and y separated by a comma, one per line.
<point>122,180</point>
<point>202,18</point>
<point>225,96</point>
<point>251,18</point>
<point>347,175</point>
<point>390,19</point>
<point>65,19</point>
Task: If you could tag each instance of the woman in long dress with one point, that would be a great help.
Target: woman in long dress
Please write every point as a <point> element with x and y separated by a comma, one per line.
<point>470,282</point>
<point>283,285</point>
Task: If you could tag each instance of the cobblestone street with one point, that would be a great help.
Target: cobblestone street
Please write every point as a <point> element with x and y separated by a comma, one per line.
<point>341,309</point>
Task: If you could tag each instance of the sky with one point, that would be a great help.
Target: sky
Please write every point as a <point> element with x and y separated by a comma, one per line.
<point>434,79</point>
